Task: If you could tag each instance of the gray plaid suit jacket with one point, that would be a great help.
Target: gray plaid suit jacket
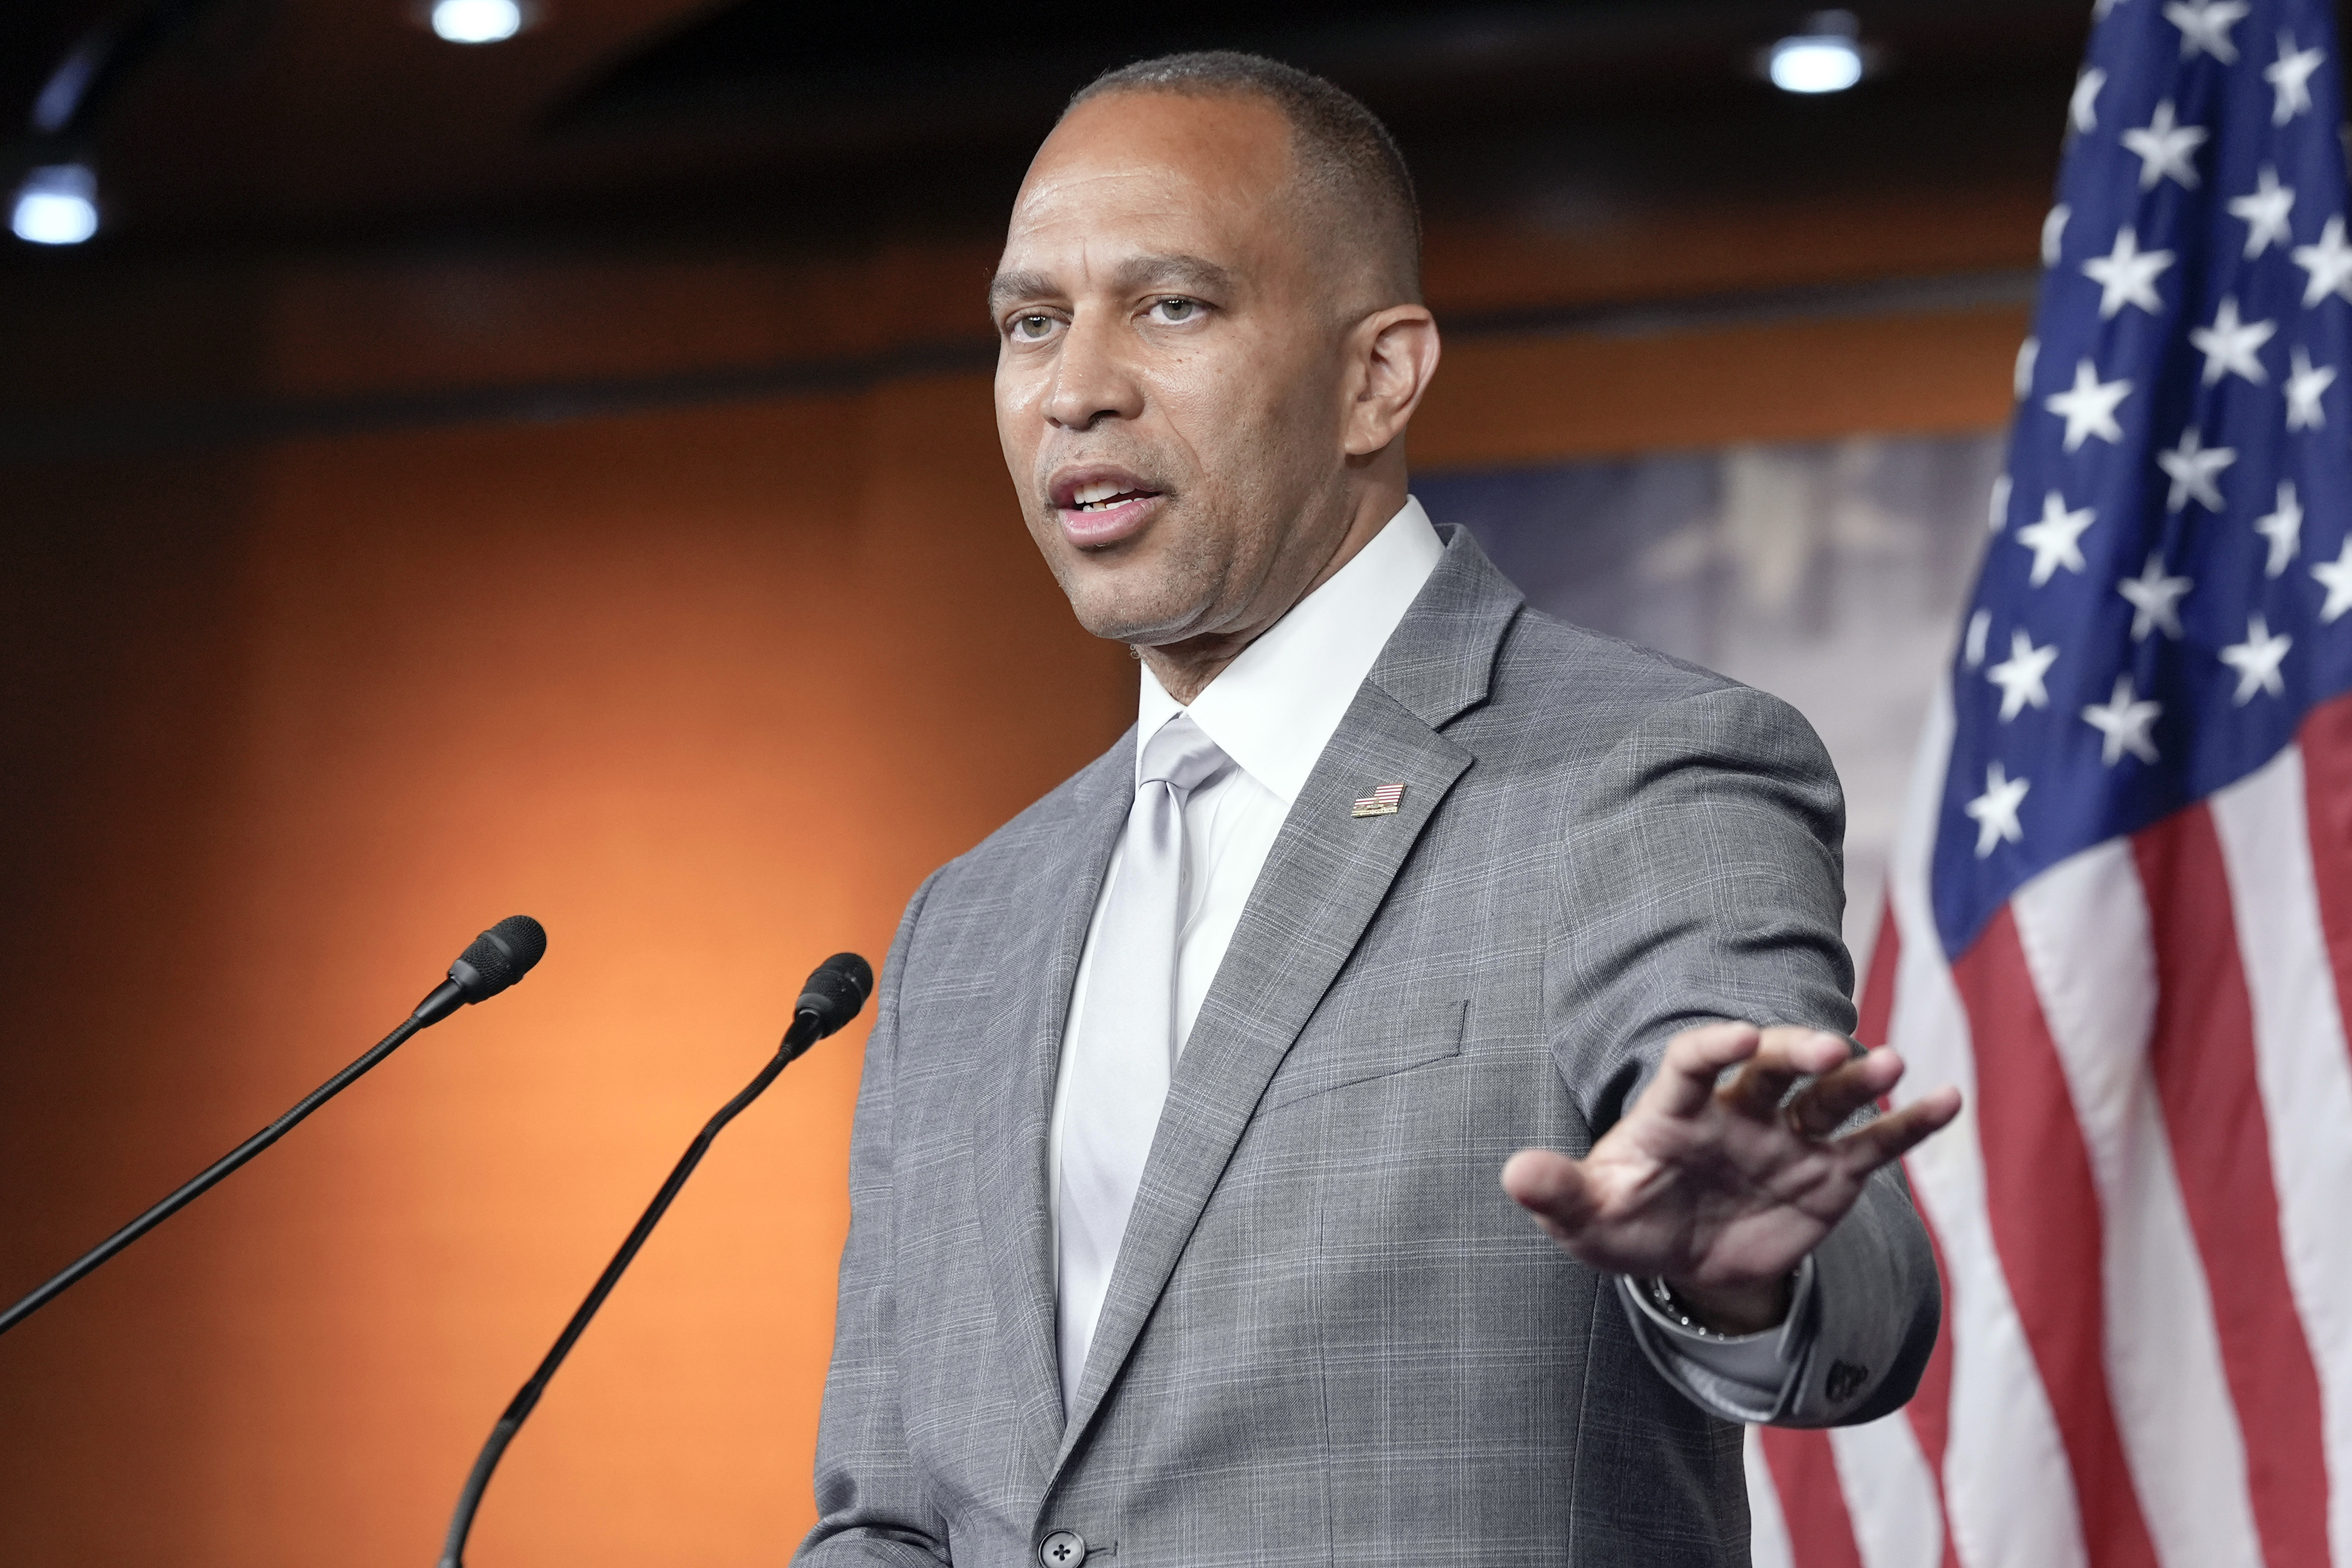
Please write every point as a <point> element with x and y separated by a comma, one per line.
<point>1330,1337</point>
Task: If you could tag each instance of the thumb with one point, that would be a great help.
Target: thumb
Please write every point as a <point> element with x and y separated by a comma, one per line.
<point>1552,1187</point>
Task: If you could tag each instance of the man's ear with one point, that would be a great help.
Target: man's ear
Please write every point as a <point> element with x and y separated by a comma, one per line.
<point>1392,352</point>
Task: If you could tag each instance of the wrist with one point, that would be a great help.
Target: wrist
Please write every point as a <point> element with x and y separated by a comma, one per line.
<point>1728,1310</point>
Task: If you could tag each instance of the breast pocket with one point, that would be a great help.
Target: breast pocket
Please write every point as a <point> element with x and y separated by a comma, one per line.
<point>1366,1044</point>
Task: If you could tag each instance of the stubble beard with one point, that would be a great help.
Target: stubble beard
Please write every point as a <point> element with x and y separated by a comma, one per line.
<point>1213,548</point>
<point>1174,595</point>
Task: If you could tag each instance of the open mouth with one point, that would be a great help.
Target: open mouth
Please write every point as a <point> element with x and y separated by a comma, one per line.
<point>1105,497</point>
<point>1104,506</point>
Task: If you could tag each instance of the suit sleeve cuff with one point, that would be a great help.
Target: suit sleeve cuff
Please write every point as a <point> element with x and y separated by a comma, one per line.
<point>1744,1378</point>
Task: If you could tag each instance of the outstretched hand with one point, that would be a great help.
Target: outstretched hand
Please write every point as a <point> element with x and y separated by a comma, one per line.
<point>1722,1191</point>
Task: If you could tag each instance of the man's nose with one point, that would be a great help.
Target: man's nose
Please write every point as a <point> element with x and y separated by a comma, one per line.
<point>1092,378</point>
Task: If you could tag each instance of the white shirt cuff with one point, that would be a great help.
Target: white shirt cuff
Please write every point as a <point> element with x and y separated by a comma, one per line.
<point>1743,1377</point>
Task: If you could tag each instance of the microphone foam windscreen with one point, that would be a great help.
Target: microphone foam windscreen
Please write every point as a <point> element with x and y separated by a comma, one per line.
<point>837,992</point>
<point>499,956</point>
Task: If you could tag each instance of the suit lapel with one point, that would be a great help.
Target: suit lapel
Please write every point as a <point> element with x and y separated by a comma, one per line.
<point>1029,1003</point>
<point>1322,883</point>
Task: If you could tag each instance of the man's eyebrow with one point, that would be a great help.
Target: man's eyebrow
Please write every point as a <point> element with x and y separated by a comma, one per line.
<point>1192,274</point>
<point>1007,287</point>
<point>1185,272</point>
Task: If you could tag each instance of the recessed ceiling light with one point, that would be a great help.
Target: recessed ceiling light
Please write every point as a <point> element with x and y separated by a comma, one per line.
<point>57,205</point>
<point>478,21</point>
<point>1824,57</point>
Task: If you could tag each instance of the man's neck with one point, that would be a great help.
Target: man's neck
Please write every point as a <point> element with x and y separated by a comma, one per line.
<point>1184,669</point>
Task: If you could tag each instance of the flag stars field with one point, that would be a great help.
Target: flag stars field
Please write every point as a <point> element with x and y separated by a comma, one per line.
<point>2089,407</point>
<point>2264,210</point>
<point>1995,811</point>
<point>2126,275</point>
<point>2205,26</point>
<point>2194,467</point>
<point>2257,659</point>
<point>2022,674</point>
<point>2155,598</point>
<point>2055,538</point>
<point>2305,383</point>
<point>2165,148</point>
<point>2082,108</point>
<point>2282,529</point>
<point>2231,346</point>
<point>2335,576</point>
<point>2121,905</point>
<point>2290,79</point>
<point>2327,264</point>
<point>2123,722</point>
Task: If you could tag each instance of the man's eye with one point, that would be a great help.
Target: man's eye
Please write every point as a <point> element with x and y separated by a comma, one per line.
<point>1176,309</point>
<point>1033,329</point>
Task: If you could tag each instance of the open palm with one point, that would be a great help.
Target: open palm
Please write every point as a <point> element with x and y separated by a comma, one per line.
<point>1721,1186</point>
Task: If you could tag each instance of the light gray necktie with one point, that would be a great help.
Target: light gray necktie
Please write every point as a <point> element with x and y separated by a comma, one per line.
<point>1123,1045</point>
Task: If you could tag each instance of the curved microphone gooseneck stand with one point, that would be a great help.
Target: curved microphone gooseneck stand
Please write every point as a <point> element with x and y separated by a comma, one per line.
<point>212,1174</point>
<point>818,1013</point>
<point>497,958</point>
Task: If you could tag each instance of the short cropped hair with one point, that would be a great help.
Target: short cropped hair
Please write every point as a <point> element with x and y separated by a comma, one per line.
<point>1342,148</point>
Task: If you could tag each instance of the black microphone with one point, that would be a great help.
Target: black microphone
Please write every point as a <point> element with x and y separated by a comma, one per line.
<point>832,997</point>
<point>494,960</point>
<point>497,958</point>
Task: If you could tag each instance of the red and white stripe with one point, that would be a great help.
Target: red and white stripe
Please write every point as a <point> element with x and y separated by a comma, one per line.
<point>2143,1216</point>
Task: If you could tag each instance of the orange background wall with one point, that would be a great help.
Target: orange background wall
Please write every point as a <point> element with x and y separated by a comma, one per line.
<point>707,690</point>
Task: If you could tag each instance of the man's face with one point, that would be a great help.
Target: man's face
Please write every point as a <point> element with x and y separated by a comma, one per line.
<point>1169,381</point>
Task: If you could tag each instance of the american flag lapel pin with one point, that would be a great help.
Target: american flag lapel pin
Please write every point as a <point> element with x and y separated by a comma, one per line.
<point>1382,801</point>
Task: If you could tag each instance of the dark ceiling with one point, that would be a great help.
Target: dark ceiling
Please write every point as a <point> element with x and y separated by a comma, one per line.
<point>345,121</point>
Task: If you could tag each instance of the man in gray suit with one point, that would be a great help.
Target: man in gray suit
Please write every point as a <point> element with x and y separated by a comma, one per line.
<point>1177,1234</point>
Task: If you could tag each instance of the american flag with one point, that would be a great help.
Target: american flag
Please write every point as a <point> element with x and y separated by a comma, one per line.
<point>2120,914</point>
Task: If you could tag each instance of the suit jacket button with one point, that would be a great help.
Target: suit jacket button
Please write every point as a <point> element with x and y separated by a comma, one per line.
<point>1062,1549</point>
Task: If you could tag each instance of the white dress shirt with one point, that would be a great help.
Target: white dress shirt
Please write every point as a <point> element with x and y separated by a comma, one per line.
<point>1273,711</point>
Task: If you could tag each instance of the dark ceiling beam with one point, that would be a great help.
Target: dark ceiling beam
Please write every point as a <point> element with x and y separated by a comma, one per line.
<point>122,431</point>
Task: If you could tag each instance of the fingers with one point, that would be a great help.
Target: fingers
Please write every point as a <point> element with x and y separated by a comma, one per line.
<point>1894,1135</point>
<point>1827,1101</point>
<point>1784,1054</point>
<point>1552,1187</point>
<point>1778,1059</point>
<point>1694,1060</point>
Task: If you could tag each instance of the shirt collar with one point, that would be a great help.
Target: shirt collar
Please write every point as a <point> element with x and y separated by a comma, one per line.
<point>1274,708</point>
